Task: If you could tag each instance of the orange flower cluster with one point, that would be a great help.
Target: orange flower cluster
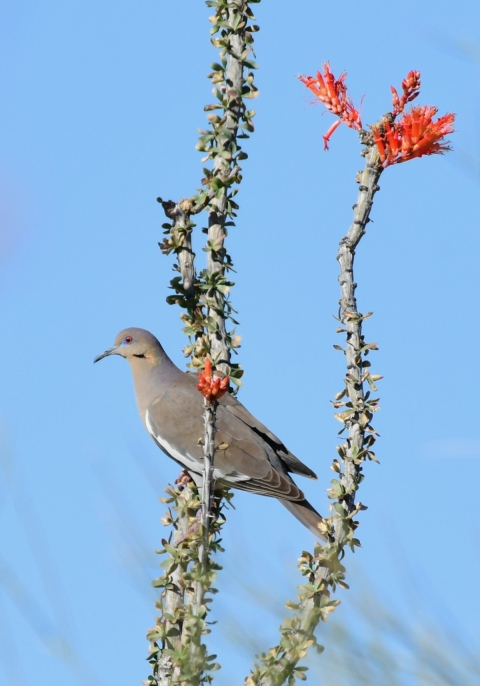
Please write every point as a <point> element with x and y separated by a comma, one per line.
<point>333,94</point>
<point>414,135</point>
<point>410,87</point>
<point>212,388</point>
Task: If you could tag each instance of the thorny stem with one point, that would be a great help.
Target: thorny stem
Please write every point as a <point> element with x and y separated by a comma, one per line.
<point>219,349</point>
<point>324,569</point>
<point>181,239</point>
<point>359,421</point>
<point>207,494</point>
<point>171,605</point>
<point>207,307</point>
<point>174,597</point>
<point>224,169</point>
<point>204,299</point>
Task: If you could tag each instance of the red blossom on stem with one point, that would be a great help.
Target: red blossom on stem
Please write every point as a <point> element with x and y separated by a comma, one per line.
<point>414,135</point>
<point>333,94</point>
<point>410,87</point>
<point>211,387</point>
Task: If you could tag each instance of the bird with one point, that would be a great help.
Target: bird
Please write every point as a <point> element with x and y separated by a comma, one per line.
<point>252,458</point>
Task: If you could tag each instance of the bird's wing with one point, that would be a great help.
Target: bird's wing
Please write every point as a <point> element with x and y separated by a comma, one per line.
<point>292,463</point>
<point>243,458</point>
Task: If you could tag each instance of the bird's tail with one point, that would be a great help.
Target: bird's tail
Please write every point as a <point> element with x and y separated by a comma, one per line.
<point>306,514</point>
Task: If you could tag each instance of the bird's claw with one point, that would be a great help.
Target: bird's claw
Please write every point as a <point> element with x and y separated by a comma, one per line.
<point>183,479</point>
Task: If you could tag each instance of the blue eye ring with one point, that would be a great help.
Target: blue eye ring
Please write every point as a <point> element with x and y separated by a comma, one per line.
<point>128,340</point>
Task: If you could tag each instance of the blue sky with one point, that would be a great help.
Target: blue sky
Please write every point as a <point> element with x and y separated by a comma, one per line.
<point>99,106</point>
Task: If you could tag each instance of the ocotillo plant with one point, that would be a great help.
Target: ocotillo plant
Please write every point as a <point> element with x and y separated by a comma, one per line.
<point>389,141</point>
<point>177,652</point>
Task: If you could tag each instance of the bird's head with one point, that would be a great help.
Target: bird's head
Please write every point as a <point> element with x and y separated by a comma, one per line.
<point>135,344</point>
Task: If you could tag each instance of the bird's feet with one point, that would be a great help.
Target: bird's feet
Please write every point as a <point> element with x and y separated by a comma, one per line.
<point>183,479</point>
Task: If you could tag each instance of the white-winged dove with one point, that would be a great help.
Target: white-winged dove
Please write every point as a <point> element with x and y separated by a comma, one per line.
<point>171,408</point>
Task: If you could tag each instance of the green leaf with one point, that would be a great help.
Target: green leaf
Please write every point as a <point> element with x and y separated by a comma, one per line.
<point>236,20</point>
<point>300,675</point>
<point>290,605</point>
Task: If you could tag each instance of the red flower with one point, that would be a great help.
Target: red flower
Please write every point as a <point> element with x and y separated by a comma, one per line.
<point>410,87</point>
<point>212,388</point>
<point>416,134</point>
<point>333,94</point>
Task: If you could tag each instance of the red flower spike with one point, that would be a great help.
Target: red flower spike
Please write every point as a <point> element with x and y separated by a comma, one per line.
<point>212,388</point>
<point>326,136</point>
<point>410,87</point>
<point>415,135</point>
<point>333,94</point>
<point>378,140</point>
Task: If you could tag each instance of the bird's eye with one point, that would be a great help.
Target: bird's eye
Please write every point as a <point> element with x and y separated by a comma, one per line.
<point>128,340</point>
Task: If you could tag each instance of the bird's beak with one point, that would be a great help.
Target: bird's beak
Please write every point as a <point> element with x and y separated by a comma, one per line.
<point>110,351</point>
